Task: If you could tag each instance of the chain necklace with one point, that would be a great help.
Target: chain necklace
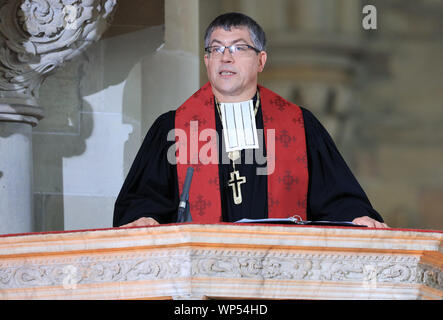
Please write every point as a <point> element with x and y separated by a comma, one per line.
<point>235,179</point>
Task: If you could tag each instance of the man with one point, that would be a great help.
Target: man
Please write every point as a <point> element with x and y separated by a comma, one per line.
<point>304,174</point>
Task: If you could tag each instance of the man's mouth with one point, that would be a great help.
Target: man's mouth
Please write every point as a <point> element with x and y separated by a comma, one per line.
<point>226,73</point>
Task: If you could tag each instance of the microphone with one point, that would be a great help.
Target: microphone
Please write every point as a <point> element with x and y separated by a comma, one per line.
<point>183,214</point>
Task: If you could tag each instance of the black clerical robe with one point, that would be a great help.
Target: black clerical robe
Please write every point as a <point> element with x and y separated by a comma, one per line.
<point>151,187</point>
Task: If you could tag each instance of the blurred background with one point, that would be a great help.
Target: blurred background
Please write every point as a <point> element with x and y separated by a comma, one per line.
<point>377,91</point>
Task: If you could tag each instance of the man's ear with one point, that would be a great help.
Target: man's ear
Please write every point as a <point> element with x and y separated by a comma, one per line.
<point>262,56</point>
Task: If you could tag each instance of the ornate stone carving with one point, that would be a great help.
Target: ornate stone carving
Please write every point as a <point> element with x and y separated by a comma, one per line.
<point>430,276</point>
<point>38,36</point>
<point>194,261</point>
<point>386,269</point>
<point>312,267</point>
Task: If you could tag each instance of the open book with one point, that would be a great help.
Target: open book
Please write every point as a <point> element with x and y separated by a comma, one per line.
<point>298,220</point>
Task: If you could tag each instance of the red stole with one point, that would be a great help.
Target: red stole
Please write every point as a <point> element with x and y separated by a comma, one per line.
<point>287,184</point>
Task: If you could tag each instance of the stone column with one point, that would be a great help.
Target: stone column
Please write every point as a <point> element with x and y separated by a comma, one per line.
<point>315,62</point>
<point>36,37</point>
<point>15,177</point>
<point>178,56</point>
<point>316,15</point>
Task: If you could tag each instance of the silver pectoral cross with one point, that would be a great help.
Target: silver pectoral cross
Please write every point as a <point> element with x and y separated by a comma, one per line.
<point>235,182</point>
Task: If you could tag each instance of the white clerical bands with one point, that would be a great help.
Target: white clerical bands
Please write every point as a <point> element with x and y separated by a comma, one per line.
<point>240,131</point>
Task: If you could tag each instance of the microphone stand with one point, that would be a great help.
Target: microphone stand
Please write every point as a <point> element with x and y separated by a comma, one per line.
<point>183,213</point>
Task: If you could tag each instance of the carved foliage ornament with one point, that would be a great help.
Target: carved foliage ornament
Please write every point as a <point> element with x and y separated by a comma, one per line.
<point>369,270</point>
<point>37,36</point>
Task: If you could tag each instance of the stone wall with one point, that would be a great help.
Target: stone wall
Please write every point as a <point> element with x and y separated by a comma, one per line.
<point>84,146</point>
<point>100,106</point>
<point>36,38</point>
<point>397,151</point>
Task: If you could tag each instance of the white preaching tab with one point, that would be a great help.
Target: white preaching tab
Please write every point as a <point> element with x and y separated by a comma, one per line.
<point>239,128</point>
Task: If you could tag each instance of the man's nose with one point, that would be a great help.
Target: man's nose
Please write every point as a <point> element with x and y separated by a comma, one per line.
<point>227,56</point>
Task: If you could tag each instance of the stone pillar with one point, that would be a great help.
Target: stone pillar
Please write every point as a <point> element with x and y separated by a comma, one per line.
<point>15,177</point>
<point>315,61</point>
<point>36,37</point>
<point>350,18</point>
<point>316,15</point>
<point>179,56</point>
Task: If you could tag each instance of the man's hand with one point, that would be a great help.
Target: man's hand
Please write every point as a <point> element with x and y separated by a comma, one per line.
<point>369,222</point>
<point>141,222</point>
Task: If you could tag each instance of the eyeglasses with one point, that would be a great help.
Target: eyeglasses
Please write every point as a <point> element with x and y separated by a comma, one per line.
<point>235,49</point>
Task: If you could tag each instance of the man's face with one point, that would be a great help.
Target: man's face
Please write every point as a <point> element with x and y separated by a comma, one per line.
<point>233,78</point>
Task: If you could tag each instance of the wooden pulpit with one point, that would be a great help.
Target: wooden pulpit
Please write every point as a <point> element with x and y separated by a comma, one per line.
<point>227,260</point>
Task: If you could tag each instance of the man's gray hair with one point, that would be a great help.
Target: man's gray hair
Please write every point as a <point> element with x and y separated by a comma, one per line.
<point>235,19</point>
